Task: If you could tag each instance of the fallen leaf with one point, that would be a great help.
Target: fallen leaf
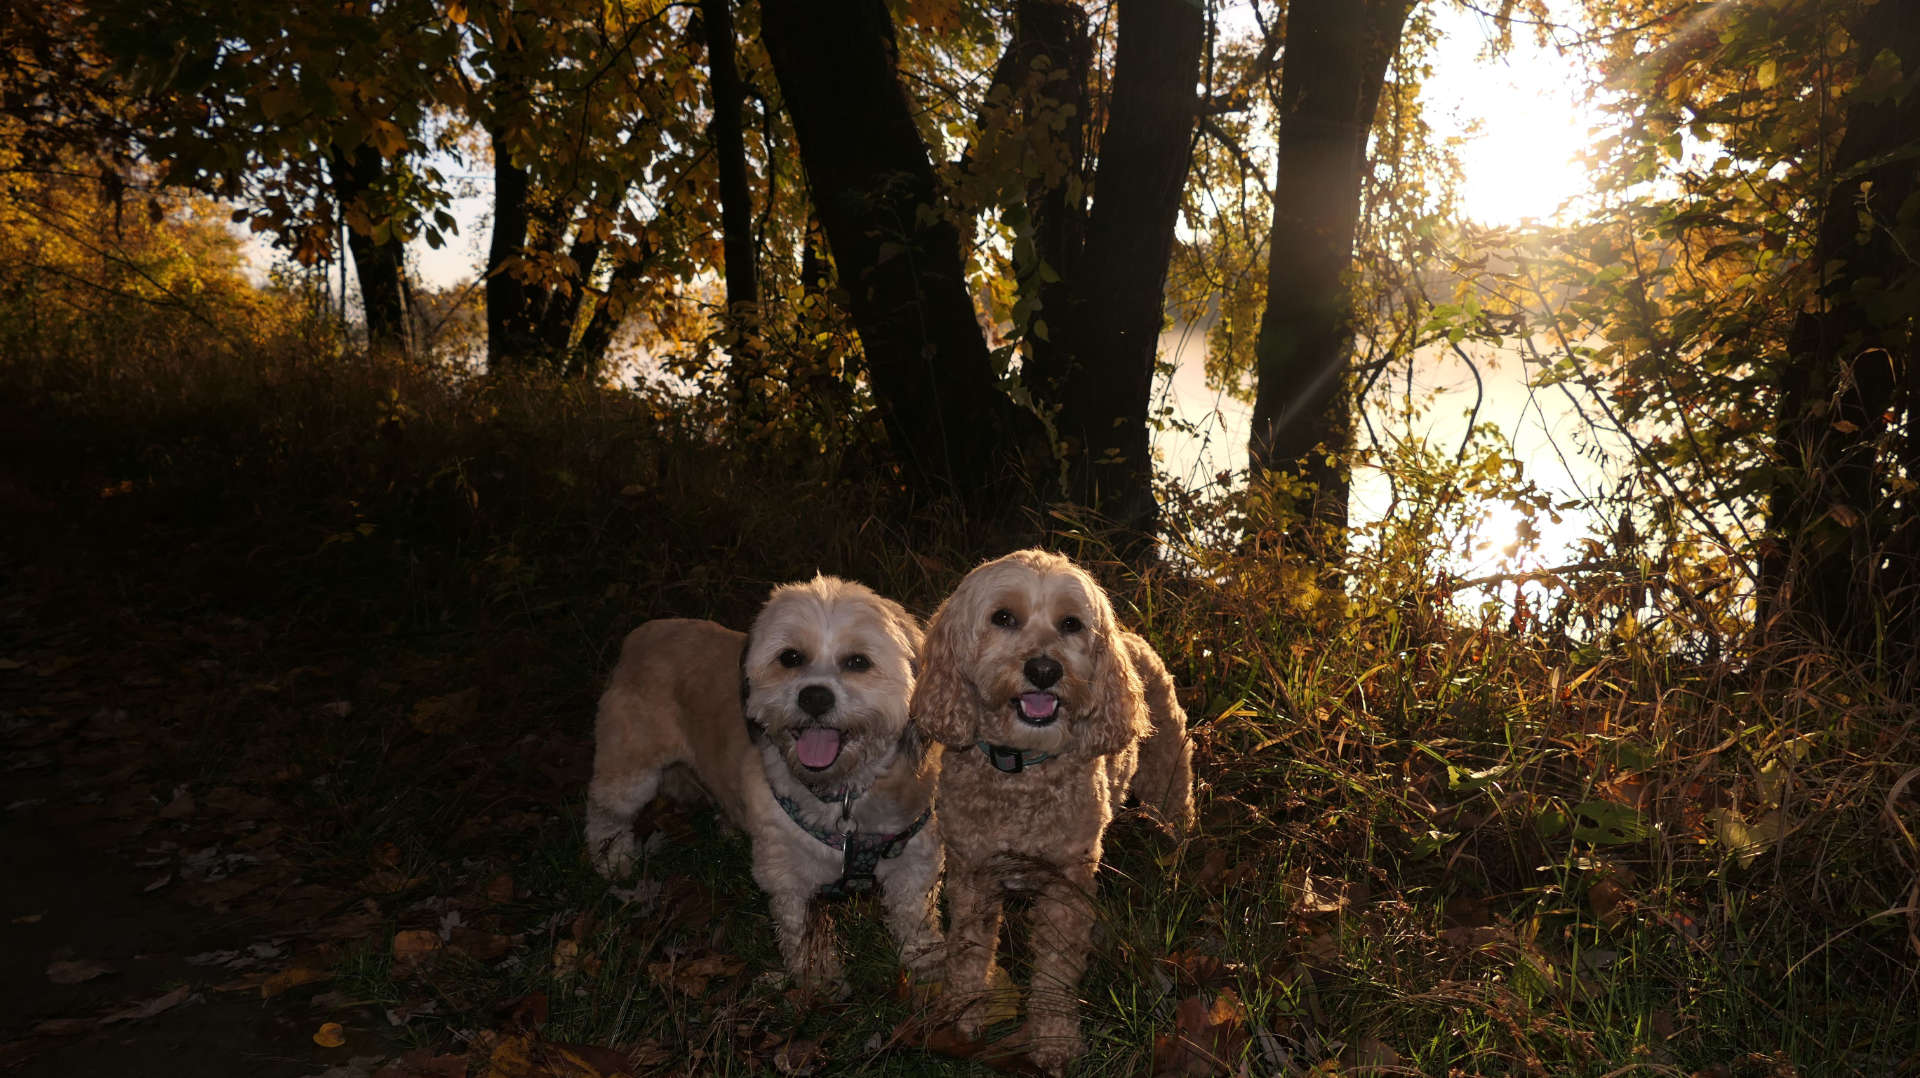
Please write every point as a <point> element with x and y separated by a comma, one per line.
<point>292,977</point>
<point>798,1057</point>
<point>1318,897</point>
<point>500,889</point>
<point>143,1011</point>
<point>529,1012</point>
<point>76,971</point>
<point>180,807</point>
<point>1609,902</point>
<point>691,977</point>
<point>1369,1057</point>
<point>1199,971</point>
<point>1747,841</point>
<point>1208,1036</point>
<point>330,1035</point>
<point>566,959</point>
<point>1212,869</point>
<point>400,1016</point>
<point>1474,937</point>
<point>414,946</point>
<point>527,1056</point>
<point>481,945</point>
<point>422,1063</point>
<point>65,1027</point>
<point>218,894</point>
<point>1006,1056</point>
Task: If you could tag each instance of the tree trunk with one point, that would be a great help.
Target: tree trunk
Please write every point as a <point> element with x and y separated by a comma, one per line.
<point>381,266</point>
<point>736,201</point>
<point>512,342</point>
<point>897,254</point>
<point>1839,567</point>
<point>1056,212</point>
<point>1113,319</point>
<point>1336,59</point>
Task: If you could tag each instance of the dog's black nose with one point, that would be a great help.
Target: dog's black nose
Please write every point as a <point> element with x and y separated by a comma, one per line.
<point>816,700</point>
<point>1042,671</point>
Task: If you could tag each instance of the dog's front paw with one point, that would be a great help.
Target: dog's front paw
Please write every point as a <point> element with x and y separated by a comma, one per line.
<point>973,1012</point>
<point>612,856</point>
<point>609,835</point>
<point>1052,1043</point>
<point>925,958</point>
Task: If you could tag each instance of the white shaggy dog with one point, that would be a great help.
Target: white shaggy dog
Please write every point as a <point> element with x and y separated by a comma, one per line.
<point>1052,712</point>
<point>798,729</point>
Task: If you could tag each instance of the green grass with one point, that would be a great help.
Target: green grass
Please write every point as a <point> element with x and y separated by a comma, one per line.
<point>1425,841</point>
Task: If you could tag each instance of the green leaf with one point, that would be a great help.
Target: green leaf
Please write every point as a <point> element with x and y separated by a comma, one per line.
<point>1607,823</point>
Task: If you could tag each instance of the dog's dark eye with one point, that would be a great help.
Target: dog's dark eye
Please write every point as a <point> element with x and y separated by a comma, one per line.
<point>791,658</point>
<point>1003,618</point>
<point>1070,624</point>
<point>857,663</point>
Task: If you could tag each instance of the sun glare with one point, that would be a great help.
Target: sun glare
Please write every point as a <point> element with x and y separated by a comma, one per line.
<point>1517,122</point>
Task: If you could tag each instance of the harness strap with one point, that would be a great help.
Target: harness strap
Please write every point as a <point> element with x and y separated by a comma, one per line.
<point>863,850</point>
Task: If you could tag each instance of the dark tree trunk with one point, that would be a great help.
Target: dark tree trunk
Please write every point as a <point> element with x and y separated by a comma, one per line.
<point>588,356</point>
<point>1112,319</point>
<point>897,254</point>
<point>1336,59</point>
<point>736,202</point>
<point>531,327</point>
<point>1841,566</point>
<point>1056,213</point>
<point>512,340</point>
<point>381,266</point>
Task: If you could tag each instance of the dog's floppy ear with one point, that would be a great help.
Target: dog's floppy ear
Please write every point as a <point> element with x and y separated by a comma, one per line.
<point>907,628</point>
<point>943,703</point>
<point>1116,713</point>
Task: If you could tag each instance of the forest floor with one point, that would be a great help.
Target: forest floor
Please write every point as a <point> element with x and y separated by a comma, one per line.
<point>297,669</point>
<point>264,816</point>
<point>203,793</point>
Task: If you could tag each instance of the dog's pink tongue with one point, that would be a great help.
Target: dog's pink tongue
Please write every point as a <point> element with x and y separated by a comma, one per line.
<point>1038,705</point>
<point>817,746</point>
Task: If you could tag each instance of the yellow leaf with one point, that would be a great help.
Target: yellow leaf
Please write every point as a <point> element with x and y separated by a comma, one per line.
<point>330,1035</point>
<point>414,945</point>
<point>292,977</point>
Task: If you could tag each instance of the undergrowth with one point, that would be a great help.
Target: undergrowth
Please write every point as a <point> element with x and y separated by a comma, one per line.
<point>1433,840</point>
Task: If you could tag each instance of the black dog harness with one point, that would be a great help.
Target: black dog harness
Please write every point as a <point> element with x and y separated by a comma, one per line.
<point>864,850</point>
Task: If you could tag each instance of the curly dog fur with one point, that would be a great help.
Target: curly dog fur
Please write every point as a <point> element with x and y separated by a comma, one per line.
<point>1052,714</point>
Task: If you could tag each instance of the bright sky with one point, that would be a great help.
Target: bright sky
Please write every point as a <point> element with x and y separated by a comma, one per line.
<point>1518,118</point>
